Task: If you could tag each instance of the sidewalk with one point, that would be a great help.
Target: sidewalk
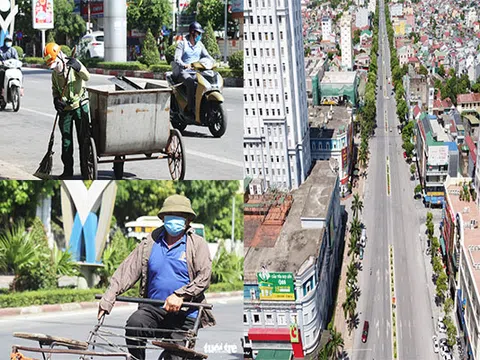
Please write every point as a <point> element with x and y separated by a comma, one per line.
<point>89,305</point>
<point>340,322</point>
<point>9,171</point>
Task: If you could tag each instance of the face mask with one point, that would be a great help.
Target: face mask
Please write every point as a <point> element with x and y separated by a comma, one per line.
<point>198,38</point>
<point>174,225</point>
<point>8,44</point>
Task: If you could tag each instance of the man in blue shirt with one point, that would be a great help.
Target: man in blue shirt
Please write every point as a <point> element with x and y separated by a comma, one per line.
<point>7,51</point>
<point>173,264</point>
<point>190,50</point>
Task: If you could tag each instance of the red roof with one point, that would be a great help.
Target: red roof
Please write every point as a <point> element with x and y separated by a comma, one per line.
<point>442,104</point>
<point>453,126</point>
<point>468,98</point>
<point>278,334</point>
<point>423,38</point>
<point>413,59</point>
<point>471,147</point>
<point>416,111</point>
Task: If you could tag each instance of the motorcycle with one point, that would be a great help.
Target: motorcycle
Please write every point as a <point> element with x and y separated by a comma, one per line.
<point>12,85</point>
<point>209,100</point>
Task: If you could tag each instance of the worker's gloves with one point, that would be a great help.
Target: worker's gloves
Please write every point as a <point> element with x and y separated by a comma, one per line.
<point>74,64</point>
<point>59,104</point>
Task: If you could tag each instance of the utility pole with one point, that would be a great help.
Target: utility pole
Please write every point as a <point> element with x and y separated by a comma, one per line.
<point>89,24</point>
<point>225,35</point>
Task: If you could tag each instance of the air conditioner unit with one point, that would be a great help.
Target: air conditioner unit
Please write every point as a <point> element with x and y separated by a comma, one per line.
<point>474,223</point>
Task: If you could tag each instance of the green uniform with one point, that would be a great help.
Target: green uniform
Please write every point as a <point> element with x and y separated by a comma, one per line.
<point>76,111</point>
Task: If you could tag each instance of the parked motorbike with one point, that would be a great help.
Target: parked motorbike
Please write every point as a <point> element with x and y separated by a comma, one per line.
<point>209,100</point>
<point>12,84</point>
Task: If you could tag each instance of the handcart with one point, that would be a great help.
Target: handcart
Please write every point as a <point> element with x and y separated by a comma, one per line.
<point>125,123</point>
<point>104,341</point>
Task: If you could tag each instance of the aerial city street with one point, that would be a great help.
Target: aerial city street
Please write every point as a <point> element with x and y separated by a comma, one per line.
<point>361,152</point>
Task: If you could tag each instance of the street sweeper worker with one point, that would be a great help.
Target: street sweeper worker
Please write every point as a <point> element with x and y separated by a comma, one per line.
<point>73,107</point>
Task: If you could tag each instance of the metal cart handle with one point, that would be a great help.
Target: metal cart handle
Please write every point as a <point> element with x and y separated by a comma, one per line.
<point>156,302</point>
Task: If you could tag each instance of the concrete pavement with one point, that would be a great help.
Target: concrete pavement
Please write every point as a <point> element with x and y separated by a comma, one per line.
<point>24,138</point>
<point>219,342</point>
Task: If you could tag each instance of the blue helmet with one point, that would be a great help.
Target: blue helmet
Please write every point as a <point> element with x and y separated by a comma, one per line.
<point>195,26</point>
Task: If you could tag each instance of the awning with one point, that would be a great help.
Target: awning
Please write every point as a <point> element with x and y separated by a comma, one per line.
<point>274,355</point>
<point>442,245</point>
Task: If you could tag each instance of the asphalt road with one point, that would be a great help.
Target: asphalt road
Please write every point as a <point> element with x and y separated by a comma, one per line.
<point>391,220</point>
<point>219,342</point>
<point>24,138</point>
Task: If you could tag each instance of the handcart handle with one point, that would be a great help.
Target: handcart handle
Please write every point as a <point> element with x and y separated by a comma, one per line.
<point>156,302</point>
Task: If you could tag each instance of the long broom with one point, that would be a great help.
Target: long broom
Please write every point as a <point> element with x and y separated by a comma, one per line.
<point>45,167</point>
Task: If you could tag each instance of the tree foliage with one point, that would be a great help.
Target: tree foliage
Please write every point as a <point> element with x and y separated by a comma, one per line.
<point>210,41</point>
<point>149,14</point>
<point>150,54</point>
<point>212,11</point>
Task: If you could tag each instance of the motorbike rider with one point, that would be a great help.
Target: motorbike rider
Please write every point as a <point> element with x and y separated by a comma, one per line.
<point>7,51</point>
<point>188,51</point>
<point>73,106</point>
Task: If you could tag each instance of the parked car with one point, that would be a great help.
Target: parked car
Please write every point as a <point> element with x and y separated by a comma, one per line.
<point>365,332</point>
<point>447,357</point>
<point>444,349</point>
<point>441,327</point>
<point>363,238</point>
<point>436,346</point>
<point>404,154</point>
<point>391,129</point>
<point>92,45</point>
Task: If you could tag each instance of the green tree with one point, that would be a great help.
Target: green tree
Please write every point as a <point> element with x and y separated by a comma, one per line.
<point>408,147</point>
<point>451,331</point>
<point>357,205</point>
<point>437,265</point>
<point>170,53</point>
<point>441,71</point>
<point>235,61</point>
<point>226,266</point>
<point>362,158</point>
<point>352,271</point>
<point>68,26</point>
<point>442,286</point>
<point>212,11</point>
<point>210,41</point>
<point>448,306</point>
<point>356,36</point>
<point>423,70</point>
<point>412,169</point>
<point>149,14</point>
<point>335,345</point>
<point>212,201</point>
<point>150,54</point>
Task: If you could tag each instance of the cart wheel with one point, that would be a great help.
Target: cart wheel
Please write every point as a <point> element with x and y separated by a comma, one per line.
<point>118,167</point>
<point>176,155</point>
<point>89,160</point>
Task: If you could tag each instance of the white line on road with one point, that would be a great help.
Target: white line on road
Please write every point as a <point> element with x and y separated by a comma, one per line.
<point>39,113</point>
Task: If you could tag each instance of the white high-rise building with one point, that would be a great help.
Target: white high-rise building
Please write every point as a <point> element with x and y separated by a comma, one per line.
<point>326,28</point>
<point>276,131</point>
<point>372,6</point>
<point>346,42</point>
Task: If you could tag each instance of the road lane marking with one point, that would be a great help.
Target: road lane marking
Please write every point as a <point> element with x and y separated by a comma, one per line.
<point>216,158</point>
<point>39,113</point>
<point>388,177</point>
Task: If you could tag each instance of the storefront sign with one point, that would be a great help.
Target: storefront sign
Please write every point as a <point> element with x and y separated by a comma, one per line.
<point>294,334</point>
<point>276,286</point>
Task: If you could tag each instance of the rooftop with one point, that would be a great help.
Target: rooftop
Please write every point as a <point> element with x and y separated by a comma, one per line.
<point>336,124</point>
<point>468,98</point>
<point>437,130</point>
<point>339,77</point>
<point>471,236</point>
<point>310,199</point>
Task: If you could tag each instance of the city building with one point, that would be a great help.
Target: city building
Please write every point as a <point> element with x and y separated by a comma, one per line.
<point>461,244</point>
<point>285,294</point>
<point>362,18</point>
<point>338,87</point>
<point>346,41</point>
<point>468,102</point>
<point>372,6</point>
<point>477,173</point>
<point>315,68</point>
<point>331,138</point>
<point>326,28</point>
<point>276,136</point>
<point>437,157</point>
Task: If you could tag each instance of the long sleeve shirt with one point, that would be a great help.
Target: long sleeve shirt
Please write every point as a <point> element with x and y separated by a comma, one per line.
<point>75,90</point>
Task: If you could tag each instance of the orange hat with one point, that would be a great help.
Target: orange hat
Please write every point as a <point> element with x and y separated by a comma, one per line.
<point>50,54</point>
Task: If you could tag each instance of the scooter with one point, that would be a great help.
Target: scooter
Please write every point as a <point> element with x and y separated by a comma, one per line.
<point>209,100</point>
<point>12,86</point>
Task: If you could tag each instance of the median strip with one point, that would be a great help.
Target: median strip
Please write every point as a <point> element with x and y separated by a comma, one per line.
<point>388,176</point>
<point>394,306</point>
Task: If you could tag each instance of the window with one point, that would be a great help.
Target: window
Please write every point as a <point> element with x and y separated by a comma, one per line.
<point>281,35</point>
<point>246,112</point>
<point>256,318</point>
<point>260,36</point>
<point>253,36</point>
<point>245,318</point>
<point>281,319</point>
<point>269,319</point>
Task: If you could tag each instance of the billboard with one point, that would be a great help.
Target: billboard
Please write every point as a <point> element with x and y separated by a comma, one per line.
<point>437,155</point>
<point>42,11</point>
<point>237,6</point>
<point>276,286</point>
